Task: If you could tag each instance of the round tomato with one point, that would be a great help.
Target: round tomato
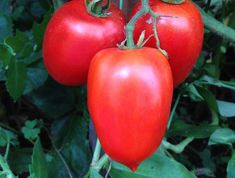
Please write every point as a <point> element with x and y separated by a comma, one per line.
<point>180,33</point>
<point>73,37</point>
<point>129,99</point>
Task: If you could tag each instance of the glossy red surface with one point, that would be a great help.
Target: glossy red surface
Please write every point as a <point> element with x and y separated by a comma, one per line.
<point>73,37</point>
<point>129,99</point>
<point>180,33</point>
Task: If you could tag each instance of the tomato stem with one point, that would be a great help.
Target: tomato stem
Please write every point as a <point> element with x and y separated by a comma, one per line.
<point>96,154</point>
<point>173,110</point>
<point>179,148</point>
<point>121,4</point>
<point>97,8</point>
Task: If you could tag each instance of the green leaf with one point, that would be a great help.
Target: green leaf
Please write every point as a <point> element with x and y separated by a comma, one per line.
<point>36,78</point>
<point>5,27</point>
<point>39,164</point>
<point>20,159</point>
<point>53,99</point>
<point>193,93</point>
<point>231,167</point>
<point>30,130</point>
<point>95,174</point>
<point>209,99</point>
<point>70,137</point>
<point>218,83</point>
<point>15,78</point>
<point>7,137</point>
<point>181,128</point>
<point>226,109</point>
<point>159,165</point>
<point>39,29</point>
<point>5,55</point>
<point>222,136</point>
<point>18,41</point>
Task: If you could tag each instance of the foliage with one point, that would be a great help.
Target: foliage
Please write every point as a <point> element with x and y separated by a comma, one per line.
<point>45,129</point>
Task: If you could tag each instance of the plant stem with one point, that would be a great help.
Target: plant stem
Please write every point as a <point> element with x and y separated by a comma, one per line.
<point>179,148</point>
<point>130,26</point>
<point>103,160</point>
<point>57,4</point>
<point>173,110</point>
<point>96,154</point>
<point>121,4</point>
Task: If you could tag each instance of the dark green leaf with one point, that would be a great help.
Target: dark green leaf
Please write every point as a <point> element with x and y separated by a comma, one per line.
<point>231,167</point>
<point>209,99</point>
<point>181,128</point>
<point>18,41</point>
<point>20,159</point>
<point>30,130</point>
<point>70,136</point>
<point>15,78</point>
<point>5,55</point>
<point>36,78</point>
<point>39,29</point>
<point>5,27</point>
<point>53,99</point>
<point>39,164</point>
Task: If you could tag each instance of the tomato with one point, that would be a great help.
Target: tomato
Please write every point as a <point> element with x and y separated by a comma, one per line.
<point>181,34</point>
<point>73,37</point>
<point>129,99</point>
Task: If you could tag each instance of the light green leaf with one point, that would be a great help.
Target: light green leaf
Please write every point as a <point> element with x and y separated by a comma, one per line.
<point>159,165</point>
<point>39,164</point>
<point>222,136</point>
<point>226,109</point>
<point>15,78</point>
<point>231,167</point>
<point>30,130</point>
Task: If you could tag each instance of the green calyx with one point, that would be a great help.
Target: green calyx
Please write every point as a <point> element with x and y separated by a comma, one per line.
<point>97,8</point>
<point>174,1</point>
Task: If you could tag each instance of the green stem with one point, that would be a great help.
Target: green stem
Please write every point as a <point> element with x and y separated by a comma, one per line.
<point>217,27</point>
<point>57,4</point>
<point>96,154</point>
<point>7,150</point>
<point>100,164</point>
<point>173,110</point>
<point>130,26</point>
<point>121,4</point>
<point>5,168</point>
<point>179,148</point>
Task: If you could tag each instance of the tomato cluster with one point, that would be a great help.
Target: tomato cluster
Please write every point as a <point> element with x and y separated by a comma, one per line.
<point>129,90</point>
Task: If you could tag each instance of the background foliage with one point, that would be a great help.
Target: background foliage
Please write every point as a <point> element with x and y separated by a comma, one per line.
<point>45,129</point>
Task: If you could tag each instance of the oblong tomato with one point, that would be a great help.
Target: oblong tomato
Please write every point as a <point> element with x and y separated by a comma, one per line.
<point>129,99</point>
<point>180,33</point>
<point>73,37</point>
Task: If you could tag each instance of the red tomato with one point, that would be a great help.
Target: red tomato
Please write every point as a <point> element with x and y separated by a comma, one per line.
<point>73,37</point>
<point>181,35</point>
<point>129,99</point>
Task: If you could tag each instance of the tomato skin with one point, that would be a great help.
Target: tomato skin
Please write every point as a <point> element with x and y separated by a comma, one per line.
<point>181,35</point>
<point>129,99</point>
<point>73,37</point>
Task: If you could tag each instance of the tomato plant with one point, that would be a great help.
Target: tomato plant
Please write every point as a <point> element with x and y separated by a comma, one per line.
<point>180,31</point>
<point>72,38</point>
<point>129,99</point>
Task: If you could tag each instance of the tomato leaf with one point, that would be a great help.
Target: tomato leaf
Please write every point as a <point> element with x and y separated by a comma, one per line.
<point>15,78</point>
<point>156,166</point>
<point>226,109</point>
<point>231,167</point>
<point>39,164</point>
<point>222,136</point>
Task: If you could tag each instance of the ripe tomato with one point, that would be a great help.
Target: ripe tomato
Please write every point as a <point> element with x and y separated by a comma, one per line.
<point>181,35</point>
<point>73,37</point>
<point>129,99</point>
